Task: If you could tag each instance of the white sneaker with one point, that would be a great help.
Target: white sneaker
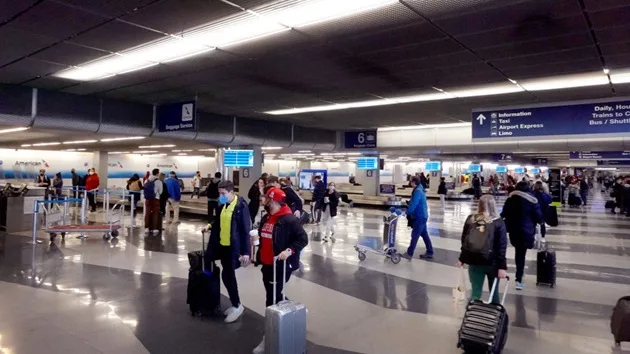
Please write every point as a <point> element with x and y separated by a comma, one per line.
<point>260,349</point>
<point>146,231</point>
<point>234,314</point>
<point>227,312</point>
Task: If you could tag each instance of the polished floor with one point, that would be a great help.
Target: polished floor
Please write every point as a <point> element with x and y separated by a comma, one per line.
<point>92,296</point>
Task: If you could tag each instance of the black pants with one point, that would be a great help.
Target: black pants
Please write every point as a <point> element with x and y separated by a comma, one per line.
<point>228,275</point>
<point>317,210</point>
<point>213,210</point>
<point>92,200</point>
<point>543,229</point>
<point>267,273</point>
<point>519,259</point>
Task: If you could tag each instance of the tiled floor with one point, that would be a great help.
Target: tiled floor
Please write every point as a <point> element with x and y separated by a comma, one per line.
<point>91,296</point>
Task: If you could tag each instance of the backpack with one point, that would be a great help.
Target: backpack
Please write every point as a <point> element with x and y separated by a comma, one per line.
<point>149,190</point>
<point>477,245</point>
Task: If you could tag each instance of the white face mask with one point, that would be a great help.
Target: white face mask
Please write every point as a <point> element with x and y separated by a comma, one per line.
<point>91,172</point>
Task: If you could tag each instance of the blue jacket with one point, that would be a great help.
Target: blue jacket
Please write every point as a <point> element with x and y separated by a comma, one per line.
<point>172,186</point>
<point>239,238</point>
<point>319,191</point>
<point>418,206</point>
<point>544,200</point>
<point>521,213</point>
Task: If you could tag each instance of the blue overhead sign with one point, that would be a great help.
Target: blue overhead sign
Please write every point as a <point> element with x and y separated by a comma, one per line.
<point>365,139</point>
<point>176,116</point>
<point>575,119</point>
<point>613,163</point>
<point>502,157</point>
<point>540,161</point>
<point>599,155</point>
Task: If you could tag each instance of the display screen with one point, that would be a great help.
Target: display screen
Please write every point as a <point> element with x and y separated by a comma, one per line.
<point>519,170</point>
<point>433,166</point>
<point>474,168</point>
<point>535,171</point>
<point>238,158</point>
<point>367,163</point>
<point>501,169</point>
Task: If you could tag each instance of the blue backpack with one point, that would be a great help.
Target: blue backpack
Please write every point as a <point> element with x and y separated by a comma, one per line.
<point>149,190</point>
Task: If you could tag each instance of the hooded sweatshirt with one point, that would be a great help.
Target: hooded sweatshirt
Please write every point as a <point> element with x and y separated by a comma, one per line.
<point>266,235</point>
<point>521,213</point>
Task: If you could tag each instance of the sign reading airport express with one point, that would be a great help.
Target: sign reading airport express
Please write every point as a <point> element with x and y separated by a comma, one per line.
<point>576,119</point>
<point>176,116</point>
<point>360,139</point>
<point>599,155</point>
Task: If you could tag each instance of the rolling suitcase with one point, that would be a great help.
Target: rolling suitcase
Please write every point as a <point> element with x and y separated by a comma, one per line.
<point>620,321</point>
<point>484,328</point>
<point>546,267</point>
<point>285,323</point>
<point>552,216</point>
<point>204,285</point>
<point>610,204</point>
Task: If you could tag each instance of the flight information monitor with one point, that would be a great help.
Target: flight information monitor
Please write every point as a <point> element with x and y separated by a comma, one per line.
<point>238,158</point>
<point>367,163</point>
<point>501,169</point>
<point>519,170</point>
<point>433,166</point>
<point>535,171</point>
<point>474,168</point>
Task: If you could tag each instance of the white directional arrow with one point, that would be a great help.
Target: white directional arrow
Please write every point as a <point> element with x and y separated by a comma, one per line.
<point>481,118</point>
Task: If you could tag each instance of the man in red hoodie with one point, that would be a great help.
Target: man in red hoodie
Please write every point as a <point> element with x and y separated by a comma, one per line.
<point>281,235</point>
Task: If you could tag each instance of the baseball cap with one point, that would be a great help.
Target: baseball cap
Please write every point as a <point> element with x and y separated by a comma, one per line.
<point>276,194</point>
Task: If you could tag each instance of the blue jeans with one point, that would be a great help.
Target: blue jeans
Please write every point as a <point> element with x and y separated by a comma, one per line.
<point>583,195</point>
<point>420,229</point>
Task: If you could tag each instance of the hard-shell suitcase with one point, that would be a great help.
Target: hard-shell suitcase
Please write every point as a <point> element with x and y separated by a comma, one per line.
<point>620,321</point>
<point>484,328</point>
<point>285,323</point>
<point>546,267</point>
<point>204,284</point>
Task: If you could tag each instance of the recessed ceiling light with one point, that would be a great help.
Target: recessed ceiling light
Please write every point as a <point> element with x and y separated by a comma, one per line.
<point>80,142</point>
<point>47,144</point>
<point>122,139</point>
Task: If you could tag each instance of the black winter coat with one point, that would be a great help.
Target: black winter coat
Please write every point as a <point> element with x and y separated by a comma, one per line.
<point>333,203</point>
<point>287,233</point>
<point>293,200</point>
<point>522,213</point>
<point>497,258</point>
<point>442,188</point>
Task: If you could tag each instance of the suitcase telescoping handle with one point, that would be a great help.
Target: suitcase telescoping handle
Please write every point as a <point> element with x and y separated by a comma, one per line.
<point>275,280</point>
<point>494,288</point>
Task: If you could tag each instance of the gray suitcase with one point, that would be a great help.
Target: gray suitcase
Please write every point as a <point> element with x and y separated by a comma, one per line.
<point>285,323</point>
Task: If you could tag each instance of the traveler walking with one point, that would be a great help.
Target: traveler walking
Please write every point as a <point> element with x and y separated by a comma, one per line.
<point>484,242</point>
<point>91,188</point>
<point>544,200</point>
<point>292,199</point>
<point>424,181</point>
<point>134,186</point>
<point>174,197</point>
<point>584,188</point>
<point>255,195</point>
<point>329,210</point>
<point>212,192</point>
<point>319,190</point>
<point>574,199</point>
<point>196,184</point>
<point>521,213</point>
<point>282,236</point>
<point>152,191</point>
<point>442,192</point>
<point>476,184</point>
<point>163,195</point>
<point>229,242</point>
<point>618,194</point>
<point>418,215</point>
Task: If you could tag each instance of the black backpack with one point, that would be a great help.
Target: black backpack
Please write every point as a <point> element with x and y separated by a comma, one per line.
<point>477,245</point>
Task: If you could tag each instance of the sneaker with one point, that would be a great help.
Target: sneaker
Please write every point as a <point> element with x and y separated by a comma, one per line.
<point>227,312</point>
<point>260,349</point>
<point>426,256</point>
<point>325,239</point>
<point>234,314</point>
<point>519,286</point>
<point>146,231</point>
<point>406,256</point>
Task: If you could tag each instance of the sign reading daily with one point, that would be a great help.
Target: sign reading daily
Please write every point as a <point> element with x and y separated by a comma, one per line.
<point>360,139</point>
<point>598,155</point>
<point>176,116</point>
<point>575,119</point>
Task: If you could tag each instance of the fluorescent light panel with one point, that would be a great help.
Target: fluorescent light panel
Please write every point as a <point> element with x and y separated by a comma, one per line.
<point>155,146</point>
<point>80,142</point>
<point>122,139</point>
<point>565,81</point>
<point>13,130</point>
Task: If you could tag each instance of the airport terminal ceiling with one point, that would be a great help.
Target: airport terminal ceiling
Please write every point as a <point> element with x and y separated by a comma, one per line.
<point>331,64</point>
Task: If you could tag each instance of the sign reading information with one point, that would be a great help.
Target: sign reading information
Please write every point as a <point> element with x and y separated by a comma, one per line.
<point>598,155</point>
<point>575,119</point>
<point>176,116</point>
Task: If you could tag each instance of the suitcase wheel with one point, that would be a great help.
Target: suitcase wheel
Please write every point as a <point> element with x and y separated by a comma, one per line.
<point>361,256</point>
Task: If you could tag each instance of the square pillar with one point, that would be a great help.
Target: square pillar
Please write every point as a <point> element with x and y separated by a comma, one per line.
<point>100,162</point>
<point>248,175</point>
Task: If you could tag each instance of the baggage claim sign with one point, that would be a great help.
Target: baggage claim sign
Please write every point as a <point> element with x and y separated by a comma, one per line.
<point>609,118</point>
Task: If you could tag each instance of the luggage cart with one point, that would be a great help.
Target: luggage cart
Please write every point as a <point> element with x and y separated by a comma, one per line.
<point>389,239</point>
<point>57,220</point>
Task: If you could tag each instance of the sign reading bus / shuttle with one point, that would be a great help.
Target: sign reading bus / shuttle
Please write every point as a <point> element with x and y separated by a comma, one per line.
<point>576,119</point>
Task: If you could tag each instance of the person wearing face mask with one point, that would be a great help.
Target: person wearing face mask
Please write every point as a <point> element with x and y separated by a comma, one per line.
<point>91,187</point>
<point>229,242</point>
<point>282,236</point>
<point>331,201</point>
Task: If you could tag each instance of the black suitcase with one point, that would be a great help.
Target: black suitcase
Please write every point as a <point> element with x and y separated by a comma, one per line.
<point>552,216</point>
<point>610,204</point>
<point>546,267</point>
<point>484,328</point>
<point>620,321</point>
<point>204,285</point>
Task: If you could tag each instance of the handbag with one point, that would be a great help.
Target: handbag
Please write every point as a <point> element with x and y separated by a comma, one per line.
<point>460,291</point>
